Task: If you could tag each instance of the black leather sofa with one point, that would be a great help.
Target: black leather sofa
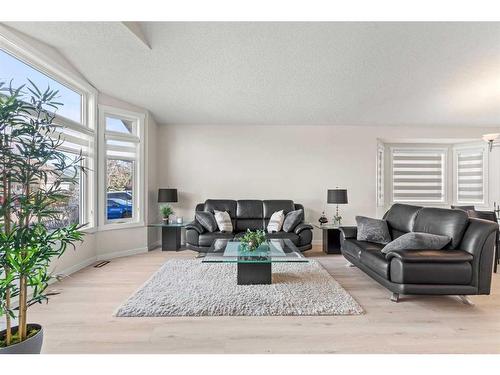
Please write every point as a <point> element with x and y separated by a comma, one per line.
<point>246,214</point>
<point>463,267</point>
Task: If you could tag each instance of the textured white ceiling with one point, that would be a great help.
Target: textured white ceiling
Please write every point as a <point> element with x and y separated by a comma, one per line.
<point>292,73</point>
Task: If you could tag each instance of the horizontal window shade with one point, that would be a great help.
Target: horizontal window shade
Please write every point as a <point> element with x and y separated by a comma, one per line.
<point>118,148</point>
<point>75,142</point>
<point>418,175</point>
<point>470,171</point>
<point>380,176</point>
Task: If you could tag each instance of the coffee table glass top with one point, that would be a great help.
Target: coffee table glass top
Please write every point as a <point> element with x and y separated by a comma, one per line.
<point>272,251</point>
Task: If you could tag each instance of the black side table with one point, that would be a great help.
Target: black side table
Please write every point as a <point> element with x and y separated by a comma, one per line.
<point>331,238</point>
<point>170,235</point>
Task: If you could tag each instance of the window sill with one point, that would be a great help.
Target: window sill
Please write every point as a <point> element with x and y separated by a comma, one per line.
<point>89,230</point>
<point>118,226</point>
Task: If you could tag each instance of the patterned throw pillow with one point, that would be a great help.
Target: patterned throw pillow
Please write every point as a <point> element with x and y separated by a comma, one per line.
<point>417,241</point>
<point>207,220</point>
<point>223,221</point>
<point>373,230</point>
<point>276,222</point>
<point>292,219</point>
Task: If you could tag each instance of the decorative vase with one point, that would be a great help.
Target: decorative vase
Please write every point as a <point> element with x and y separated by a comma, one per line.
<point>32,345</point>
<point>323,219</point>
<point>165,220</point>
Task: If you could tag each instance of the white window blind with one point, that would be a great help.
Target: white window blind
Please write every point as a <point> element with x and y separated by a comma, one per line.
<point>380,175</point>
<point>470,175</point>
<point>418,175</point>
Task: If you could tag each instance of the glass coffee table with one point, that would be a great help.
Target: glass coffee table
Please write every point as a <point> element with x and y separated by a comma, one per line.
<point>254,267</point>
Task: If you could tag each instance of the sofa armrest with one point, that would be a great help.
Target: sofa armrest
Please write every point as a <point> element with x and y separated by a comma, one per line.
<point>430,256</point>
<point>349,232</point>
<point>299,228</point>
<point>195,226</point>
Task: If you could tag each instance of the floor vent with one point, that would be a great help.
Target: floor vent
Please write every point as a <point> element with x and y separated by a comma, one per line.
<point>101,264</point>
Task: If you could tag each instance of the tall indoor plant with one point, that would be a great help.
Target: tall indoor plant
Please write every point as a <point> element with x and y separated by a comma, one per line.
<point>33,171</point>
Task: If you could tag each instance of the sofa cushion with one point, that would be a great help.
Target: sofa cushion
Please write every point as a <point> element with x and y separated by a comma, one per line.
<point>207,220</point>
<point>354,247</point>
<point>430,273</point>
<point>400,219</point>
<point>271,206</point>
<point>442,221</point>
<point>206,239</point>
<point>221,205</point>
<point>417,240</point>
<point>292,219</point>
<point>249,215</point>
<point>376,261</point>
<point>372,230</point>
<point>276,222</point>
<point>249,209</point>
<point>284,235</point>
<point>223,221</point>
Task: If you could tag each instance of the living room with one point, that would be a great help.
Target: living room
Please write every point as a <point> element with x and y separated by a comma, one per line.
<point>284,187</point>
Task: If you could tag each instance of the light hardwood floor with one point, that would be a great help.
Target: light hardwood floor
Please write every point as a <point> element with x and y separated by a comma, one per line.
<point>80,320</point>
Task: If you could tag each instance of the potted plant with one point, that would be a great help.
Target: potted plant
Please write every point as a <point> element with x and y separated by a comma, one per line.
<point>166,211</point>
<point>33,230</point>
<point>252,240</point>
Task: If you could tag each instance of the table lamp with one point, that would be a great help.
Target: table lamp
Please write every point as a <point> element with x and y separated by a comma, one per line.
<point>337,196</point>
<point>167,196</point>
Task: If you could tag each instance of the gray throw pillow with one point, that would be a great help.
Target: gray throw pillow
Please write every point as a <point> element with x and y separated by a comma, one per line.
<point>207,220</point>
<point>292,219</point>
<point>417,241</point>
<point>373,230</point>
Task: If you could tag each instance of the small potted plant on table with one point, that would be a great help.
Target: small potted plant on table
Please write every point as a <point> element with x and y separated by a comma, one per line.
<point>166,211</point>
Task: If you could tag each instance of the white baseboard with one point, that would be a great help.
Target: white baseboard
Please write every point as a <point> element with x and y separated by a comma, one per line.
<point>123,253</point>
<point>154,245</point>
<point>75,268</point>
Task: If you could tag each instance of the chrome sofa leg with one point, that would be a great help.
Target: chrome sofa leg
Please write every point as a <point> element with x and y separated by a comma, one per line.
<point>465,300</point>
<point>349,264</point>
<point>395,297</point>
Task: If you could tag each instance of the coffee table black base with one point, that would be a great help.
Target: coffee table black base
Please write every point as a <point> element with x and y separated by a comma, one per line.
<point>254,273</point>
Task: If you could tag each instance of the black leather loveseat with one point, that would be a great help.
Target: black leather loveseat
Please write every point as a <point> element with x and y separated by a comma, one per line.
<point>463,267</point>
<point>246,214</point>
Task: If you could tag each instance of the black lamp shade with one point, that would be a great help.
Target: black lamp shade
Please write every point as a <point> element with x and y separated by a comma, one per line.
<point>167,195</point>
<point>338,196</point>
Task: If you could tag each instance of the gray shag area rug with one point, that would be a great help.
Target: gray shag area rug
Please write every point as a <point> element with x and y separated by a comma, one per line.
<point>192,288</point>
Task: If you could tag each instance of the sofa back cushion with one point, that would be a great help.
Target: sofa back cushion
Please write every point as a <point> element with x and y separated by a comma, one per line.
<point>442,221</point>
<point>227,205</point>
<point>400,219</point>
<point>249,215</point>
<point>271,206</point>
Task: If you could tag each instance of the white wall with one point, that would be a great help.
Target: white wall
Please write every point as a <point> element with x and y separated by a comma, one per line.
<point>287,162</point>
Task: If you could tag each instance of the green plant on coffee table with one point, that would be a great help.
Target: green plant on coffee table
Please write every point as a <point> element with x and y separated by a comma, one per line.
<point>166,211</point>
<point>253,240</point>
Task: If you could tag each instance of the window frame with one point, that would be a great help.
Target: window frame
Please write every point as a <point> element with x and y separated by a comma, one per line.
<point>480,146</point>
<point>26,53</point>
<point>138,173</point>
<point>444,149</point>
